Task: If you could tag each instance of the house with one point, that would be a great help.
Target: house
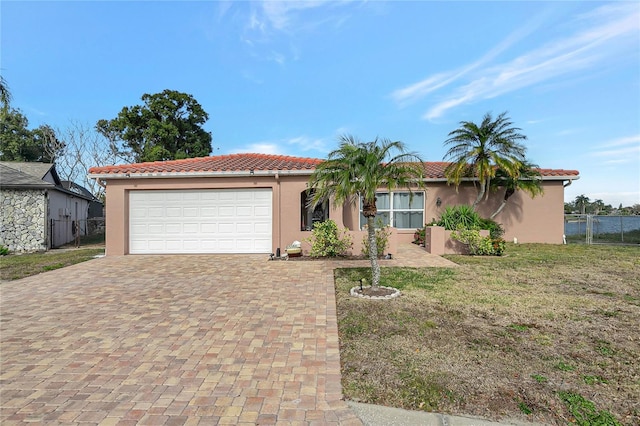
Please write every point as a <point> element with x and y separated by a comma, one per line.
<point>257,203</point>
<point>38,213</point>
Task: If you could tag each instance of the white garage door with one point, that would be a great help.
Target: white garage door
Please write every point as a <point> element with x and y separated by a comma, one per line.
<point>200,221</point>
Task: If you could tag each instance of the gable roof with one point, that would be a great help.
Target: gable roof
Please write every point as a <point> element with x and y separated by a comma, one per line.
<point>30,175</point>
<point>257,164</point>
<point>14,178</point>
<point>35,169</point>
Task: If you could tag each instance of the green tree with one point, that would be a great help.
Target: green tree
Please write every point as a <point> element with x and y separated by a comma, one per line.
<point>480,150</point>
<point>19,143</point>
<point>582,202</point>
<point>528,179</point>
<point>166,127</point>
<point>5,94</point>
<point>359,169</point>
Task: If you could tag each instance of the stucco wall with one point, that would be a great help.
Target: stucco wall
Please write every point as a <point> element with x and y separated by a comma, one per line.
<point>530,220</point>
<point>23,219</point>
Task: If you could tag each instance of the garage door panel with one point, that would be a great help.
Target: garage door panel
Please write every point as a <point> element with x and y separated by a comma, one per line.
<point>262,212</point>
<point>208,212</point>
<point>200,221</point>
<point>208,228</point>
<point>190,212</point>
<point>226,211</point>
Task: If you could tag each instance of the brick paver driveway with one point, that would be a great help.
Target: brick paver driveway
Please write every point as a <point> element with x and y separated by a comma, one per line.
<point>172,340</point>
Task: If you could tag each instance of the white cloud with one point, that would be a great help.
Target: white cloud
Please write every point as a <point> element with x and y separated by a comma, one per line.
<point>619,151</point>
<point>260,148</point>
<point>295,146</point>
<point>268,20</point>
<point>606,31</point>
<point>305,144</point>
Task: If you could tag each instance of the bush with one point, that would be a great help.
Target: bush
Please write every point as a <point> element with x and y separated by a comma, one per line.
<point>382,240</point>
<point>479,245</point>
<point>419,236</point>
<point>328,241</point>
<point>462,216</point>
<point>495,229</point>
<point>4,251</point>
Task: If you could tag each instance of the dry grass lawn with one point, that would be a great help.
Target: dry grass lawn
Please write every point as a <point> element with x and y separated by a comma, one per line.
<point>547,333</point>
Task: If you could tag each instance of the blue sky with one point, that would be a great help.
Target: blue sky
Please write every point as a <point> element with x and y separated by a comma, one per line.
<point>290,77</point>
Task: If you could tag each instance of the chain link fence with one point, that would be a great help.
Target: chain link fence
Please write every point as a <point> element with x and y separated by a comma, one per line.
<point>79,233</point>
<point>592,229</point>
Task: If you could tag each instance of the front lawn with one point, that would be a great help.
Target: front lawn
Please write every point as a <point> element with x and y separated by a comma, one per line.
<point>13,267</point>
<point>548,333</point>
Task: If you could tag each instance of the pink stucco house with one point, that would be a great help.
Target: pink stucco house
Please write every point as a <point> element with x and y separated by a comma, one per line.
<point>256,203</point>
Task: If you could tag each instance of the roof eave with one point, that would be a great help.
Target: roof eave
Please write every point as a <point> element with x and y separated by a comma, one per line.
<point>230,173</point>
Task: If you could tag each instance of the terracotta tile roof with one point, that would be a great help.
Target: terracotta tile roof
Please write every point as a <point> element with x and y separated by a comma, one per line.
<point>261,162</point>
<point>220,163</point>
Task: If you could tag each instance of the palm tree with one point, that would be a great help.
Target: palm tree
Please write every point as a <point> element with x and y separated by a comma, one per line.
<point>528,180</point>
<point>5,94</point>
<point>359,169</point>
<point>479,151</point>
<point>581,202</point>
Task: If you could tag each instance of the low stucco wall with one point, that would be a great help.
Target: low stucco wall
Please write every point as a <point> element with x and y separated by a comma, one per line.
<point>23,225</point>
<point>357,238</point>
<point>438,241</point>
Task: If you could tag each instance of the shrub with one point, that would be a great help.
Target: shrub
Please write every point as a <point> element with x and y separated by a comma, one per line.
<point>4,251</point>
<point>419,236</point>
<point>495,229</point>
<point>382,240</point>
<point>328,241</point>
<point>477,244</point>
<point>462,216</point>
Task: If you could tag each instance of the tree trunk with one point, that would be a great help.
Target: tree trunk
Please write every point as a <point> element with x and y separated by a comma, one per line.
<point>483,188</point>
<point>373,252</point>
<point>508,193</point>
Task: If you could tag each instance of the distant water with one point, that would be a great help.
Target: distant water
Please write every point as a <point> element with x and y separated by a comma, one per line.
<point>602,225</point>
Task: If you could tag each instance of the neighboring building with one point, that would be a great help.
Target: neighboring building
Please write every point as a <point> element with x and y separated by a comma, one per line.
<point>256,203</point>
<point>96,207</point>
<point>37,211</point>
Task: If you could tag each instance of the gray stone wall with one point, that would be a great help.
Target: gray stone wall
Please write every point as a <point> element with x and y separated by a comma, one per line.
<point>23,219</point>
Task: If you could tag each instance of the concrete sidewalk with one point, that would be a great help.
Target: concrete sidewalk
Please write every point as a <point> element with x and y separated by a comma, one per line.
<point>377,415</point>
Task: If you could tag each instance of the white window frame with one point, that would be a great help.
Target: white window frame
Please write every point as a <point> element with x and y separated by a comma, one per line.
<point>391,210</point>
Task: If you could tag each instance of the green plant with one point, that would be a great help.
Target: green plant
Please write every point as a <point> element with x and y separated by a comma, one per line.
<point>495,229</point>
<point>585,412</point>
<point>592,380</point>
<point>462,216</point>
<point>328,241</point>
<point>524,408</point>
<point>539,378</point>
<point>499,246</point>
<point>419,236</point>
<point>4,251</point>
<point>563,366</point>
<point>382,234</point>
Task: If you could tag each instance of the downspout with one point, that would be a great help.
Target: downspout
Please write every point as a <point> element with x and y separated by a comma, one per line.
<point>279,245</point>
<point>569,182</point>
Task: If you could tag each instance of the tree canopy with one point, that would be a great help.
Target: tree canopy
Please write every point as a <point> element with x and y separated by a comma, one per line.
<point>167,127</point>
<point>480,150</point>
<point>19,143</point>
<point>528,179</point>
<point>360,169</point>
<point>5,94</point>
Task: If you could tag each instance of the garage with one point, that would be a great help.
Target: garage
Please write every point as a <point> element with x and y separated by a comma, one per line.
<point>200,221</point>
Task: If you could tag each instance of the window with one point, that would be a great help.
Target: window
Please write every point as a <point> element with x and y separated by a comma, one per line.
<point>311,215</point>
<point>398,209</point>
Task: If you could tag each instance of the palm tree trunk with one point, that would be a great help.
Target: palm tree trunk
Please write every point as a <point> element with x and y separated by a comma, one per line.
<point>500,208</point>
<point>507,193</point>
<point>373,252</point>
<point>483,189</point>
